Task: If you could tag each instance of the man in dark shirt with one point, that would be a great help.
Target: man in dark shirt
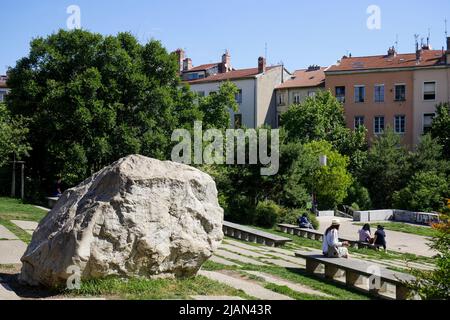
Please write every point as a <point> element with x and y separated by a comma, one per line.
<point>380,237</point>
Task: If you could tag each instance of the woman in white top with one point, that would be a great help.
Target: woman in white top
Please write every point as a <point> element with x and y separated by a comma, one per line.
<point>331,247</point>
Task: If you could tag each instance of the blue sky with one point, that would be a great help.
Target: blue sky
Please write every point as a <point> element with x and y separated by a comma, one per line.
<point>298,33</point>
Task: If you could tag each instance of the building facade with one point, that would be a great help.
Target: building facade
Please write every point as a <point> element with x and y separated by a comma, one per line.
<point>302,84</point>
<point>3,88</point>
<point>399,91</point>
<point>256,96</point>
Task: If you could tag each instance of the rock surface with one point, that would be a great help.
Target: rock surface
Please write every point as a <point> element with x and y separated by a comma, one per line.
<point>137,217</point>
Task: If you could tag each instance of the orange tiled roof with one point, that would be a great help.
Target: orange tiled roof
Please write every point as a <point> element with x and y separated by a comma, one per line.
<point>408,60</point>
<point>230,75</point>
<point>305,78</point>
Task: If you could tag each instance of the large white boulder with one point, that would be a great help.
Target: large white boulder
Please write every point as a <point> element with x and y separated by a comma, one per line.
<point>137,217</point>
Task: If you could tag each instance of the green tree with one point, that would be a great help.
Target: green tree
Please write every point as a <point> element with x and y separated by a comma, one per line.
<point>92,99</point>
<point>435,284</point>
<point>321,117</point>
<point>386,169</point>
<point>441,127</point>
<point>426,192</point>
<point>330,183</point>
<point>13,136</point>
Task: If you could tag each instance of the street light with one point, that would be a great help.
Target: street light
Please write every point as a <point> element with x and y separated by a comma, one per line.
<point>323,161</point>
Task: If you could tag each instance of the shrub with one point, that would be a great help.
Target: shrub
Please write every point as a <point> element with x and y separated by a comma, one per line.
<point>358,197</point>
<point>290,216</point>
<point>267,214</point>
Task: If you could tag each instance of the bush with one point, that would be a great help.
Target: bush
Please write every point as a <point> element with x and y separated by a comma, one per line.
<point>358,197</point>
<point>267,214</point>
<point>290,216</point>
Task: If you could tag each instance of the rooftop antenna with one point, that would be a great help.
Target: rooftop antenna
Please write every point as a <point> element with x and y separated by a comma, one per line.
<point>428,37</point>
<point>416,37</point>
<point>265,51</point>
<point>446,33</point>
<point>396,42</point>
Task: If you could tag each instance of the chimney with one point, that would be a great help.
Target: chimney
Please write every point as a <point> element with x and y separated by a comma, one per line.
<point>226,62</point>
<point>180,58</point>
<point>187,64</point>
<point>261,65</point>
<point>392,52</point>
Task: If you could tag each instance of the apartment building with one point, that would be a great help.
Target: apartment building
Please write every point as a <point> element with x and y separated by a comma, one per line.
<point>3,88</point>
<point>303,83</point>
<point>392,90</point>
<point>256,96</point>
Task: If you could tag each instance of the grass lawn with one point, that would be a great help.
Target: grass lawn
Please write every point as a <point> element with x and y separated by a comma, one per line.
<point>14,209</point>
<point>158,289</point>
<point>404,227</point>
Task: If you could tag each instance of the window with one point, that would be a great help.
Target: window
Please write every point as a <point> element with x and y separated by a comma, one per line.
<point>201,93</point>
<point>400,92</point>
<point>311,93</point>
<point>359,121</point>
<point>238,96</point>
<point>340,94</point>
<point>360,94</point>
<point>429,91</point>
<point>297,97</point>
<point>237,120</point>
<point>399,124</point>
<point>427,122</point>
<point>378,125</point>
<point>280,99</point>
<point>2,95</point>
<point>192,76</point>
<point>379,93</point>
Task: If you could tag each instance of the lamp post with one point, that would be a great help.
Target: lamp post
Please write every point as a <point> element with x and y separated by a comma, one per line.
<point>323,162</point>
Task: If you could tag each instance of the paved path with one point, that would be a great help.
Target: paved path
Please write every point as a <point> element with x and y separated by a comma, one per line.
<point>250,288</point>
<point>396,241</point>
<point>11,251</point>
<point>215,298</point>
<point>234,256</point>
<point>223,261</point>
<point>5,234</point>
<point>294,286</point>
<point>6,293</point>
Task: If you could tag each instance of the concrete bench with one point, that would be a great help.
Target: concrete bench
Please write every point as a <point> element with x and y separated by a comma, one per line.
<point>360,274</point>
<point>252,235</point>
<point>316,235</point>
<point>52,201</point>
<point>301,232</point>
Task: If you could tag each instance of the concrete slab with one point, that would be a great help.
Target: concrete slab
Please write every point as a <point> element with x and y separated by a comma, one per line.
<point>283,263</point>
<point>215,298</point>
<point>5,234</point>
<point>234,256</point>
<point>244,252</point>
<point>294,259</point>
<point>26,225</point>
<point>294,286</point>
<point>11,251</point>
<point>245,246</point>
<point>250,288</point>
<point>223,261</point>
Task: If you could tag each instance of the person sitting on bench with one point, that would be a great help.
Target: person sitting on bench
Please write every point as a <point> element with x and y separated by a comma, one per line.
<point>331,247</point>
<point>380,237</point>
<point>365,235</point>
<point>304,223</point>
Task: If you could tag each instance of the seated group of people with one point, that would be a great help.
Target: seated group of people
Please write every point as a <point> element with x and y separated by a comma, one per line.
<point>334,248</point>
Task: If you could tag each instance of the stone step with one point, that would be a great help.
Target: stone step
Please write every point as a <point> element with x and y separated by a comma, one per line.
<point>11,251</point>
<point>250,288</point>
<point>233,256</point>
<point>223,261</point>
<point>244,252</point>
<point>291,285</point>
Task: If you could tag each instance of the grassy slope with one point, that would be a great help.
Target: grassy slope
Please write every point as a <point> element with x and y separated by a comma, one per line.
<point>13,209</point>
<point>404,227</point>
